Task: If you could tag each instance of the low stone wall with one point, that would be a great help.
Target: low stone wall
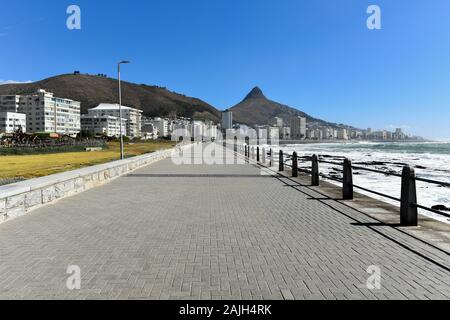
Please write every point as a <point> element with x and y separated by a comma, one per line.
<point>20,198</point>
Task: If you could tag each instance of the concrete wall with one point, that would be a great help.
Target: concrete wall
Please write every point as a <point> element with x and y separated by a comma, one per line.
<point>20,198</point>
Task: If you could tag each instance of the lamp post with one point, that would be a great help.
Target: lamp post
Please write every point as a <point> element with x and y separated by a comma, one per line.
<point>120,109</point>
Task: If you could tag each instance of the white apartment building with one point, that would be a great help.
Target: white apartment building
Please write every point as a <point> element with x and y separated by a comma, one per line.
<point>103,125</point>
<point>162,125</point>
<point>356,134</point>
<point>149,131</point>
<point>12,121</point>
<point>133,117</point>
<point>44,112</point>
<point>314,134</point>
<point>342,134</point>
<point>298,127</point>
<point>327,133</point>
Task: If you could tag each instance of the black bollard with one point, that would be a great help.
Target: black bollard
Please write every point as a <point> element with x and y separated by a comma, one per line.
<point>347,180</point>
<point>294,165</point>
<point>408,209</point>
<point>315,180</point>
<point>280,161</point>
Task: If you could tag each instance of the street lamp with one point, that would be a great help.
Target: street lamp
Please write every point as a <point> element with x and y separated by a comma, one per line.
<point>120,109</point>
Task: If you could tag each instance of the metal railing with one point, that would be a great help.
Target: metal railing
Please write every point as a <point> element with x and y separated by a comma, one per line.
<point>408,199</point>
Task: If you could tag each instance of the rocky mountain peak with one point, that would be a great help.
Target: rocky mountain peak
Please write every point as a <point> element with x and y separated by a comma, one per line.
<point>256,93</point>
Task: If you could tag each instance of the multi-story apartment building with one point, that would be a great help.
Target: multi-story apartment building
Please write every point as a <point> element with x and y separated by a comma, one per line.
<point>162,125</point>
<point>298,127</point>
<point>149,131</point>
<point>44,112</point>
<point>342,134</point>
<point>314,134</point>
<point>103,125</point>
<point>327,133</point>
<point>12,121</point>
<point>379,135</point>
<point>133,117</point>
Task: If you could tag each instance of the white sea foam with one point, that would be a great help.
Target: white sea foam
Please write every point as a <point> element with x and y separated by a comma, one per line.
<point>430,160</point>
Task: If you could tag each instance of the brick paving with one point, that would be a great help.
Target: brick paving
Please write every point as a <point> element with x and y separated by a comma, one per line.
<point>211,232</point>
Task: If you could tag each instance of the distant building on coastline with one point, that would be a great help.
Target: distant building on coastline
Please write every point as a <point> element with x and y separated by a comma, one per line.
<point>227,120</point>
<point>327,133</point>
<point>298,127</point>
<point>342,134</point>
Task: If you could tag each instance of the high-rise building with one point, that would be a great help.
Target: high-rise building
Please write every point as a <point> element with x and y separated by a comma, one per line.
<point>44,112</point>
<point>327,133</point>
<point>342,134</point>
<point>133,117</point>
<point>162,126</point>
<point>227,120</point>
<point>298,127</point>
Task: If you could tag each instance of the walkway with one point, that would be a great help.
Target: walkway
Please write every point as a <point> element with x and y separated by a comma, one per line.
<point>211,232</point>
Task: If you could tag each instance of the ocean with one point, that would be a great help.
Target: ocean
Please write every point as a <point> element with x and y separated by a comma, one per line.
<point>430,160</point>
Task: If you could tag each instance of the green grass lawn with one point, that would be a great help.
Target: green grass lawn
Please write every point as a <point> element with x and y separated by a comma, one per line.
<point>39,165</point>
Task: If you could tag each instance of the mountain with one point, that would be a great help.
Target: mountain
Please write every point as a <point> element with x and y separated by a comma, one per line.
<point>257,109</point>
<point>92,90</point>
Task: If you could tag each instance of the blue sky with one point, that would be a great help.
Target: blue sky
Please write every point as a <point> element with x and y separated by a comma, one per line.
<point>317,56</point>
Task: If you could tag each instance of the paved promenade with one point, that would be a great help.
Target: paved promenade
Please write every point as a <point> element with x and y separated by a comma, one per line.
<point>212,232</point>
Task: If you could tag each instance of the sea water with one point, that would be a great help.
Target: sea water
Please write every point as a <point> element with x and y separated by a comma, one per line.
<point>430,160</point>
